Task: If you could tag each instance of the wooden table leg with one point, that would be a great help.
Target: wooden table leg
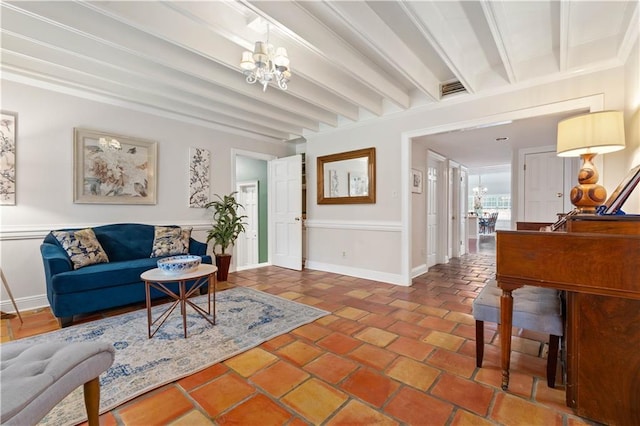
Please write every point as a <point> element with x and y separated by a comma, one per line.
<point>506,319</point>
<point>183,306</point>
<point>215,280</point>
<point>148,297</point>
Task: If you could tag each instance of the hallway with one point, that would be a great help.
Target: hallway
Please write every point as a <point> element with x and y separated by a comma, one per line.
<point>484,244</point>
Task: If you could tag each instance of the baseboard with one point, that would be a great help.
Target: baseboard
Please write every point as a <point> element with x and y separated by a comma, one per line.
<point>25,304</point>
<point>419,270</point>
<point>357,272</point>
<point>247,267</point>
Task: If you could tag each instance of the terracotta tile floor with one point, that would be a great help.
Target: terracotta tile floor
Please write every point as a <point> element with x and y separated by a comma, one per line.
<point>386,355</point>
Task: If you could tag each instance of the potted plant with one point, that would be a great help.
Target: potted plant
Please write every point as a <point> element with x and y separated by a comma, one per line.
<point>228,223</point>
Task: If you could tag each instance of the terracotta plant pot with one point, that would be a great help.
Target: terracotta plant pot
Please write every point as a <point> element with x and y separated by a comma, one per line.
<point>222,262</point>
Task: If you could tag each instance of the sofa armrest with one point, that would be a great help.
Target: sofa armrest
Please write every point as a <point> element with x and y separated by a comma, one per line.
<point>197,248</point>
<point>55,260</point>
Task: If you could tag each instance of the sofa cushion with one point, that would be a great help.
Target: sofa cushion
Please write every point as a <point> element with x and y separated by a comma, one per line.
<point>82,247</point>
<point>170,241</point>
<point>125,241</point>
<point>102,275</point>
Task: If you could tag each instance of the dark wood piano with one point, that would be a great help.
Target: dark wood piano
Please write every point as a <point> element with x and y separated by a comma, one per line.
<point>597,261</point>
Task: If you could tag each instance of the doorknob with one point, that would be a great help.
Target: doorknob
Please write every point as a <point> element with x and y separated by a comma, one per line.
<point>297,219</point>
<point>559,194</point>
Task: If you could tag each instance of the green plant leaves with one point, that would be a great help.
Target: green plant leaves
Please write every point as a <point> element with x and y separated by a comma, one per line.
<point>228,223</point>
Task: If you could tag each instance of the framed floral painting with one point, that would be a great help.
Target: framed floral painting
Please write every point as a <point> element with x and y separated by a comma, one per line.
<point>8,158</point>
<point>113,169</point>
<point>199,160</point>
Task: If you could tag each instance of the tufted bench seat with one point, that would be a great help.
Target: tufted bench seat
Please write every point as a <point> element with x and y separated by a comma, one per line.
<point>36,377</point>
<point>534,308</point>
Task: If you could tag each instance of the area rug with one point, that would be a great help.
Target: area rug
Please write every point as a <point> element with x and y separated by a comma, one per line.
<point>244,319</point>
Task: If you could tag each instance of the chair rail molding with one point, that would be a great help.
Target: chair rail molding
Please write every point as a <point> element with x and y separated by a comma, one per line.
<point>356,225</point>
<point>35,232</point>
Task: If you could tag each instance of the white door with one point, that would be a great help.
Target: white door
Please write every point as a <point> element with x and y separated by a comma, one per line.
<point>462,213</point>
<point>285,212</point>
<point>543,186</point>
<point>450,213</point>
<point>432,213</point>
<point>247,243</point>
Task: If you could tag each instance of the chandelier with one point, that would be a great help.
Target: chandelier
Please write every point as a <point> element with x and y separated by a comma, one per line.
<point>266,64</point>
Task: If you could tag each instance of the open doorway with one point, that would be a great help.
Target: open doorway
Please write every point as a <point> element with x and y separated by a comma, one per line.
<point>479,140</point>
<point>250,180</point>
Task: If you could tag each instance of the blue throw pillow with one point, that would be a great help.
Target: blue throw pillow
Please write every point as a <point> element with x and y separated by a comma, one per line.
<point>82,247</point>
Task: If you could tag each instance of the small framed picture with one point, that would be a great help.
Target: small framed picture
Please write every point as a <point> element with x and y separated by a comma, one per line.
<point>416,181</point>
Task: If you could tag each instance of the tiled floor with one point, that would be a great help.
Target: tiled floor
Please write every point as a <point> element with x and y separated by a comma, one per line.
<point>386,355</point>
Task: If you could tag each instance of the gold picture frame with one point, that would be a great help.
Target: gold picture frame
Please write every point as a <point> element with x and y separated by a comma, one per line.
<point>113,169</point>
<point>347,177</point>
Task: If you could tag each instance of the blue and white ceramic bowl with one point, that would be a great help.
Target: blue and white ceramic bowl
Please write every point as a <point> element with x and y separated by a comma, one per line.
<point>179,264</point>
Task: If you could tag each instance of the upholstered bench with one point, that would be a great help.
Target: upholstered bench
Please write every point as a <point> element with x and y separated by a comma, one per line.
<point>534,308</point>
<point>36,377</point>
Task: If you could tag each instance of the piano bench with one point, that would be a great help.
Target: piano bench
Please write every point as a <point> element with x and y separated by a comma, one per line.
<point>534,308</point>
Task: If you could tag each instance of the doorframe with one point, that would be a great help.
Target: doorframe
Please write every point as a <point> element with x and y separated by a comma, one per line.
<point>591,103</point>
<point>258,156</point>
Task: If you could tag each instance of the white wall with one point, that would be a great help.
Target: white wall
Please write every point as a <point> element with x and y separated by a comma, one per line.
<point>387,135</point>
<point>632,122</point>
<point>45,177</point>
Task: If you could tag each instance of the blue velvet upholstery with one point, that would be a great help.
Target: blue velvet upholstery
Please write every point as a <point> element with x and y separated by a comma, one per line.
<point>104,285</point>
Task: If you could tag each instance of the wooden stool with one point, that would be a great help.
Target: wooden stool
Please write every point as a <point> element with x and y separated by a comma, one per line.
<point>534,308</point>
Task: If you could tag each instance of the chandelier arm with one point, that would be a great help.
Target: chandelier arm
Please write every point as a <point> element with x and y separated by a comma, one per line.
<point>251,78</point>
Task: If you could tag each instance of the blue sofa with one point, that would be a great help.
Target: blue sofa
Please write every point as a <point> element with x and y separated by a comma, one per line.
<point>104,285</point>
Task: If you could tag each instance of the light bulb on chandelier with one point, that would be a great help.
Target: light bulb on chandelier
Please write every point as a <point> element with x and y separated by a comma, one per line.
<point>266,64</point>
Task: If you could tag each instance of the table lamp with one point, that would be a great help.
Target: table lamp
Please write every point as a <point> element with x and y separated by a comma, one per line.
<point>586,136</point>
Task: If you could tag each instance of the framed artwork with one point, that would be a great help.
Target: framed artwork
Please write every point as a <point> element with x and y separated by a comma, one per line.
<point>199,160</point>
<point>416,181</point>
<point>8,123</point>
<point>113,169</point>
<point>334,183</point>
<point>358,184</point>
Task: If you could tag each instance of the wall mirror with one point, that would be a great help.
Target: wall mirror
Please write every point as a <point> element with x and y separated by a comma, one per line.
<point>347,177</point>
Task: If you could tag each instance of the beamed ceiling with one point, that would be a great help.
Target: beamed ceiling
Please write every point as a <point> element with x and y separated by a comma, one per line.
<point>351,60</point>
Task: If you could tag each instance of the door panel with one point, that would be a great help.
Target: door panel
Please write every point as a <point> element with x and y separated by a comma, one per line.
<point>286,212</point>
<point>432,215</point>
<point>247,243</point>
<point>543,186</point>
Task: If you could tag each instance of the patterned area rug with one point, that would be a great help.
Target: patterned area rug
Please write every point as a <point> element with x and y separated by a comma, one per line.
<point>244,319</point>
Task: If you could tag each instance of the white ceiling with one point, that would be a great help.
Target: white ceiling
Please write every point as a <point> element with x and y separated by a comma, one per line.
<point>351,60</point>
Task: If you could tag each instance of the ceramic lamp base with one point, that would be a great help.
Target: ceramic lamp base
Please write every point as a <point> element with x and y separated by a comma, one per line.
<point>588,195</point>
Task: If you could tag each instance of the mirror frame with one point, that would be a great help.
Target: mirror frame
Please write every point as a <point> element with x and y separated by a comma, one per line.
<point>370,154</point>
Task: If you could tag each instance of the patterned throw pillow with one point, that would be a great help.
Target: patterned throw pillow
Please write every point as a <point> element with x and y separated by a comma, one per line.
<point>82,246</point>
<point>170,241</point>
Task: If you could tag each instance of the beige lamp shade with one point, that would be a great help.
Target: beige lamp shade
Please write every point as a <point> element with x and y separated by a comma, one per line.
<point>597,132</point>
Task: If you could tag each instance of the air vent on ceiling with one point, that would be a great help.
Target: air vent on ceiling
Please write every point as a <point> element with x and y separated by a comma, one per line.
<point>451,87</point>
